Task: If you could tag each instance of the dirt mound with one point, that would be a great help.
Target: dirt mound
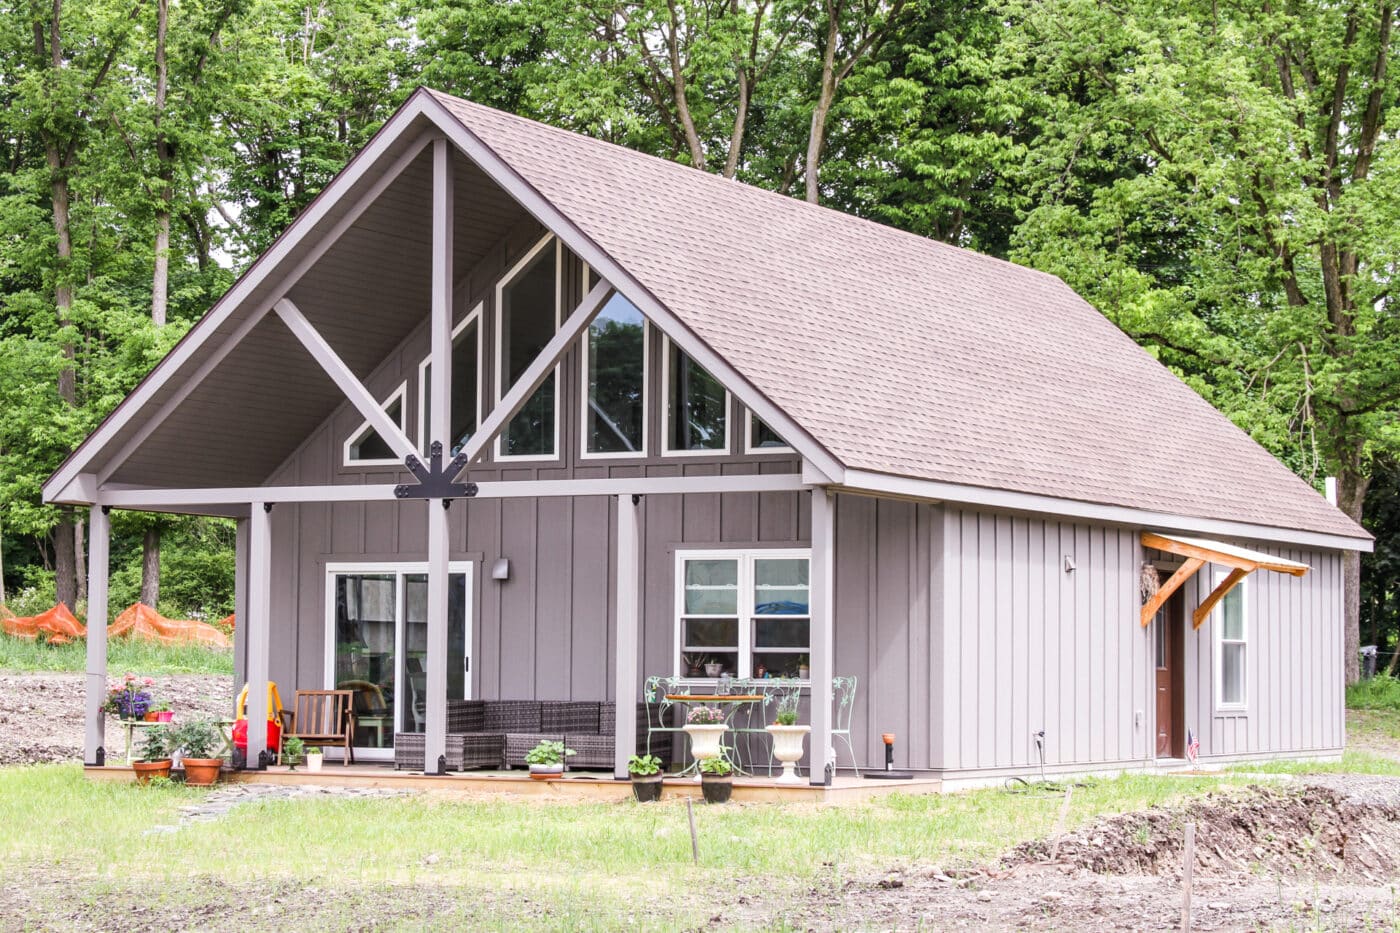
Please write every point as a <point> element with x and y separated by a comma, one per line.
<point>1323,829</point>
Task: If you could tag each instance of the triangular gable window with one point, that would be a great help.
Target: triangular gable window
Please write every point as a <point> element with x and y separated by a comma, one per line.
<point>364,446</point>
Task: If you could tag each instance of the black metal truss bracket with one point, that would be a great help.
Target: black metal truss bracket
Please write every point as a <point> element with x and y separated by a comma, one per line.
<point>435,481</point>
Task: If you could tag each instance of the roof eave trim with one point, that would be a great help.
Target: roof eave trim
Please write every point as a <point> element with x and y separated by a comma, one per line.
<point>56,488</point>
<point>864,481</point>
<point>554,220</point>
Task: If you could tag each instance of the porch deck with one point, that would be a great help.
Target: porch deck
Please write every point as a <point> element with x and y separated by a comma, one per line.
<point>573,786</point>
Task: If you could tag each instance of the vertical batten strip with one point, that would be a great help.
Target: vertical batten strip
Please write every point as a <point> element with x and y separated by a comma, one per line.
<point>821,578</point>
<point>629,573</point>
<point>259,627</point>
<point>99,533</point>
<point>439,431</point>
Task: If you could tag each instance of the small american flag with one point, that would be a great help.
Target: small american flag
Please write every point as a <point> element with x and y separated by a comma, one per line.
<point>1193,746</point>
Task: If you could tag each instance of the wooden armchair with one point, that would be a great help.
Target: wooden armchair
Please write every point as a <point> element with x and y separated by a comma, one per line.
<point>322,717</point>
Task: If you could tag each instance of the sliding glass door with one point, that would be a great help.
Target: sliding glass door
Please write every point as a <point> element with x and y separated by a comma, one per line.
<point>378,646</point>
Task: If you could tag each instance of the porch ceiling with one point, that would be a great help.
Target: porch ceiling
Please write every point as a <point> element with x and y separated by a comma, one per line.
<point>365,296</point>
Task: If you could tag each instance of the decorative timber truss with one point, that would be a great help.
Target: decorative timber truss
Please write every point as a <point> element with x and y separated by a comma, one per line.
<point>1197,552</point>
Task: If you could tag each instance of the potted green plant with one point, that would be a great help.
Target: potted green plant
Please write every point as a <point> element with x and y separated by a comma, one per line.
<point>716,779</point>
<point>645,771</point>
<point>788,736</point>
<point>546,760</point>
<point>314,758</point>
<point>155,758</point>
<point>804,670</point>
<point>198,740</point>
<point>293,750</point>
<point>706,727</point>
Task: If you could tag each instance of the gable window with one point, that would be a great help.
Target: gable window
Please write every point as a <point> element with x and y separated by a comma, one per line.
<point>761,439</point>
<point>364,446</point>
<point>1230,625</point>
<point>527,315</point>
<point>466,377</point>
<point>746,611</point>
<point>614,381</point>
<point>697,406</point>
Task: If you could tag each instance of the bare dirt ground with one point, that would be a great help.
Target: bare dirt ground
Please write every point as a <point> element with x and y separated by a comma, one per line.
<point>41,715</point>
<point>1319,852</point>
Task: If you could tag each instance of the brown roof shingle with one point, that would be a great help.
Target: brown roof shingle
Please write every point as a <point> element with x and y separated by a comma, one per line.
<point>906,356</point>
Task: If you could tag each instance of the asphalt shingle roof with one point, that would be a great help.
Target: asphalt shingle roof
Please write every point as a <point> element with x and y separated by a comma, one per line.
<point>906,356</point>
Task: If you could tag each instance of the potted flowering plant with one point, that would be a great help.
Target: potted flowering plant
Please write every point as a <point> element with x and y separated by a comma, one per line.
<point>131,699</point>
<point>645,771</point>
<point>155,755</point>
<point>716,779</point>
<point>706,727</point>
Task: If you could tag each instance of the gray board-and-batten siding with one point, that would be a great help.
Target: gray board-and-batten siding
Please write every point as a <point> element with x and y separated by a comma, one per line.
<point>965,631</point>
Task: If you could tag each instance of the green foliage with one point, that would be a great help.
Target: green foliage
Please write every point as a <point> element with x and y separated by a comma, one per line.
<point>293,751</point>
<point>1379,692</point>
<point>548,753</point>
<point>123,654</point>
<point>718,766</point>
<point>198,738</point>
<point>158,744</point>
<point>787,707</point>
<point>643,765</point>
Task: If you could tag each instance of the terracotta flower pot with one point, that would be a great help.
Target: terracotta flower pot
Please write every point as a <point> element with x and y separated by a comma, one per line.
<point>646,787</point>
<point>202,771</point>
<point>152,716</point>
<point>145,770</point>
<point>716,788</point>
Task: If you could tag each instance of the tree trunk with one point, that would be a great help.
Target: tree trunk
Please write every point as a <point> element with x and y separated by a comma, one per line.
<point>65,578</point>
<point>2,569</point>
<point>1352,484</point>
<point>80,559</point>
<point>150,567</point>
<point>160,285</point>
<point>816,136</point>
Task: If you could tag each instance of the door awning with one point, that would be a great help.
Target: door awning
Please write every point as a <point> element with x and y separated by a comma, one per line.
<point>1199,552</point>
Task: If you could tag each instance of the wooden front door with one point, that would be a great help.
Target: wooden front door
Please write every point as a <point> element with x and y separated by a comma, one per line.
<point>1168,645</point>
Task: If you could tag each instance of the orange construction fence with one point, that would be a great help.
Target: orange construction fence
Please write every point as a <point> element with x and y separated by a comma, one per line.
<point>58,624</point>
<point>141,621</point>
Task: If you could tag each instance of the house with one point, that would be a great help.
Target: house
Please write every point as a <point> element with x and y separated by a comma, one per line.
<point>513,413</point>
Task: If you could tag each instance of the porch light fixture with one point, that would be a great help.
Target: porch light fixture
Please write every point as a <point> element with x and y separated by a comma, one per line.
<point>1069,564</point>
<point>500,570</point>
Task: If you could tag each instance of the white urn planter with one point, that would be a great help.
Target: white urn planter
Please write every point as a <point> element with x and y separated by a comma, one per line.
<point>705,739</point>
<point>787,748</point>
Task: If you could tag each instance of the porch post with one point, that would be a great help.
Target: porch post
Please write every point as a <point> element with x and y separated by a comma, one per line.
<point>822,665</point>
<point>629,560</point>
<point>440,430</point>
<point>258,625</point>
<point>99,530</point>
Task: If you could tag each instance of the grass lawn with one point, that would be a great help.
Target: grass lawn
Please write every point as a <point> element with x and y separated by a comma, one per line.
<point>21,655</point>
<point>503,862</point>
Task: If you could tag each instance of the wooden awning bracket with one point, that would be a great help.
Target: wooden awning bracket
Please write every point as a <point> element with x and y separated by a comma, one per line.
<point>1241,561</point>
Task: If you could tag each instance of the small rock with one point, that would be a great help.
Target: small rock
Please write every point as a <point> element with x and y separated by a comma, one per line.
<point>984,896</point>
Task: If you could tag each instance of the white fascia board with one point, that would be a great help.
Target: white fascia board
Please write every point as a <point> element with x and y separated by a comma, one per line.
<point>603,265</point>
<point>863,481</point>
<point>365,164</point>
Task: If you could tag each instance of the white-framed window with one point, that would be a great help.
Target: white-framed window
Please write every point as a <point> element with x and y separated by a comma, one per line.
<point>745,610</point>
<point>466,386</point>
<point>364,446</point>
<point>615,374</point>
<point>527,316</point>
<point>761,439</point>
<point>697,407</point>
<point>1230,626</point>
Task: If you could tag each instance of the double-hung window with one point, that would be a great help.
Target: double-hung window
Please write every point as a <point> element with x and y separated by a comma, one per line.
<point>1229,621</point>
<point>746,611</point>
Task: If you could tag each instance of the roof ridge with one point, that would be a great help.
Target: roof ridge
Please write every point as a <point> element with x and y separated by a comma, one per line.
<point>719,180</point>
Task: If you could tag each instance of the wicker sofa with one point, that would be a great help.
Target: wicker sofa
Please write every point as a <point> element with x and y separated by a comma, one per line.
<point>498,733</point>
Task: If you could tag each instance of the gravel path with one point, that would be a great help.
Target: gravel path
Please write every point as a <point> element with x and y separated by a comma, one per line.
<point>41,715</point>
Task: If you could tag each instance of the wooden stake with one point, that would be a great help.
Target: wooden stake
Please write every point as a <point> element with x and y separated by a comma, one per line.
<point>694,840</point>
<point>1188,863</point>
<point>1060,822</point>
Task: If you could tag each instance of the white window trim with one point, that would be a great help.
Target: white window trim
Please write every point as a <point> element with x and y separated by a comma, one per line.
<point>745,614</point>
<point>760,451</point>
<point>1217,621</point>
<point>666,449</point>
<point>475,314</point>
<point>401,393</point>
<point>584,452</point>
<point>501,285</point>
<point>399,569</point>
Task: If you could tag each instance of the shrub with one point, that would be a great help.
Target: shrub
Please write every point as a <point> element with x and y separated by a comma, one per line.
<point>1379,692</point>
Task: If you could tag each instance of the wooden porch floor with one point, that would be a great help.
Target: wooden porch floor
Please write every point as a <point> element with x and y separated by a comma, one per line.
<point>582,786</point>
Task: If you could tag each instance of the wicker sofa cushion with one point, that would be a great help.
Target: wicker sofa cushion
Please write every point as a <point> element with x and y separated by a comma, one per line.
<point>508,716</point>
<point>466,716</point>
<point>569,716</point>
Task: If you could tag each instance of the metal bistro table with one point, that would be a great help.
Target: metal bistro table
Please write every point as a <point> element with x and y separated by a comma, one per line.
<point>731,703</point>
